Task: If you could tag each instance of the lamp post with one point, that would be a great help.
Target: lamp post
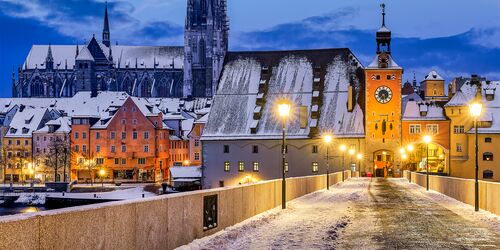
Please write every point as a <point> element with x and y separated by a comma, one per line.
<point>102,172</point>
<point>475,111</point>
<point>284,113</point>
<point>427,141</point>
<point>359,156</point>
<point>328,140</point>
<point>343,148</point>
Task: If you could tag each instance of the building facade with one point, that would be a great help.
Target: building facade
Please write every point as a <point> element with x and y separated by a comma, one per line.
<point>131,144</point>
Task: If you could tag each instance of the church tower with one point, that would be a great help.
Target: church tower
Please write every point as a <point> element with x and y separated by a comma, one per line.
<point>383,106</point>
<point>206,44</point>
<point>105,30</point>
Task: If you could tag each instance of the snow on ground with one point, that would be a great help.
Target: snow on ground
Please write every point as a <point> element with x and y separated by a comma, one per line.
<point>38,198</point>
<point>124,194</point>
<point>363,213</point>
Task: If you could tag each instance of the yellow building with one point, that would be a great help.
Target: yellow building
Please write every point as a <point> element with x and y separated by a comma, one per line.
<point>462,139</point>
<point>17,143</point>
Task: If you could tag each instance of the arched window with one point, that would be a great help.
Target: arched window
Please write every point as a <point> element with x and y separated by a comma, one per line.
<point>487,174</point>
<point>201,52</point>
<point>487,156</point>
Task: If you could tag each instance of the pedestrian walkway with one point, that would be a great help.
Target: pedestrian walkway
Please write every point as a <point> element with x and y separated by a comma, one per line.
<point>364,213</point>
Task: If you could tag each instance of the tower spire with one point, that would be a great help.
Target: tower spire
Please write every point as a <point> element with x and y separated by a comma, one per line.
<point>383,14</point>
<point>49,60</point>
<point>383,36</point>
<point>105,31</point>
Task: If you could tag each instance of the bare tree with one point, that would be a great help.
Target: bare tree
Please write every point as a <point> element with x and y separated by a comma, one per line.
<point>86,161</point>
<point>57,156</point>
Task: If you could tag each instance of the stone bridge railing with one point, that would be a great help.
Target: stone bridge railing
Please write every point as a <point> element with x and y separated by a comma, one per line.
<point>461,189</point>
<point>162,222</point>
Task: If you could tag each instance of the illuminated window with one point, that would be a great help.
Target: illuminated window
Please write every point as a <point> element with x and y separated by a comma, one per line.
<point>241,166</point>
<point>226,166</point>
<point>286,166</point>
<point>415,129</point>
<point>255,166</point>
<point>315,167</point>
<point>432,128</point>
<point>458,129</point>
<point>487,156</point>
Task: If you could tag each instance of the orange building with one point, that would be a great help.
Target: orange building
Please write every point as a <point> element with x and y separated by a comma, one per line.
<point>131,143</point>
<point>420,119</point>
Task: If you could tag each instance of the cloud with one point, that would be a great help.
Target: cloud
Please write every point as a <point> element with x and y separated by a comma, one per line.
<point>80,19</point>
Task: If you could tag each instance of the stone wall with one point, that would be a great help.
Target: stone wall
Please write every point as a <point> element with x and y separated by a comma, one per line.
<point>461,189</point>
<point>162,222</point>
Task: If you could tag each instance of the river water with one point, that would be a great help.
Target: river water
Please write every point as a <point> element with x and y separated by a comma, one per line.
<point>20,210</point>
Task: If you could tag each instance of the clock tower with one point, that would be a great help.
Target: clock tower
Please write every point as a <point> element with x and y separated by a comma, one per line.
<point>383,107</point>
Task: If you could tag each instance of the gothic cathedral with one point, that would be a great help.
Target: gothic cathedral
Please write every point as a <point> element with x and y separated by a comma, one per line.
<point>206,44</point>
<point>383,105</point>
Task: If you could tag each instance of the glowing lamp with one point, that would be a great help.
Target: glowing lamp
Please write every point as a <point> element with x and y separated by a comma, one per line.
<point>475,109</point>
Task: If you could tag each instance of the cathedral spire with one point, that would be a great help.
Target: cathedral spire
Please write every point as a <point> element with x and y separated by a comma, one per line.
<point>49,60</point>
<point>105,31</point>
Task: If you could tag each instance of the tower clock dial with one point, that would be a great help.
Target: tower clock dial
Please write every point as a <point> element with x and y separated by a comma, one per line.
<point>383,94</point>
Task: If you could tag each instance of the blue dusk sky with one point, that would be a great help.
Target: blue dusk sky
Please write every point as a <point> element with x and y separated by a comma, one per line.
<point>456,38</point>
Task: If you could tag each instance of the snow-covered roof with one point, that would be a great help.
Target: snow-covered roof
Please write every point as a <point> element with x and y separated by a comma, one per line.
<point>123,56</point>
<point>391,63</point>
<point>85,55</point>
<point>63,125</point>
<point>491,106</point>
<point>292,74</point>
<point>416,110</point>
<point>185,172</point>
<point>25,121</point>
<point>433,75</point>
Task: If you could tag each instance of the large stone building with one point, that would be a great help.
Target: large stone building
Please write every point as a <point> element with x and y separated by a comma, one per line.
<point>143,71</point>
<point>362,107</point>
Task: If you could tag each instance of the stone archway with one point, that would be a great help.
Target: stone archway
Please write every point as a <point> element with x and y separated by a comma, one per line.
<point>383,163</point>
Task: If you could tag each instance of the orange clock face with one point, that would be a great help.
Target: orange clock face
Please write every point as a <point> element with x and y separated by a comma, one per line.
<point>383,94</point>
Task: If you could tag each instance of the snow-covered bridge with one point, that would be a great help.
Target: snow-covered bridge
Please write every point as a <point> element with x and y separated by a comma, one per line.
<point>364,213</point>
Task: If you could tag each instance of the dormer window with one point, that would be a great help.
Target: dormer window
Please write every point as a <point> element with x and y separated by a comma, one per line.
<point>490,94</point>
<point>13,130</point>
<point>25,130</point>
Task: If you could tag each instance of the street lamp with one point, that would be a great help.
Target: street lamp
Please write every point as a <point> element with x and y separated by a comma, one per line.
<point>327,139</point>
<point>427,141</point>
<point>475,111</point>
<point>342,149</point>
<point>284,112</point>
<point>102,172</point>
<point>359,156</point>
